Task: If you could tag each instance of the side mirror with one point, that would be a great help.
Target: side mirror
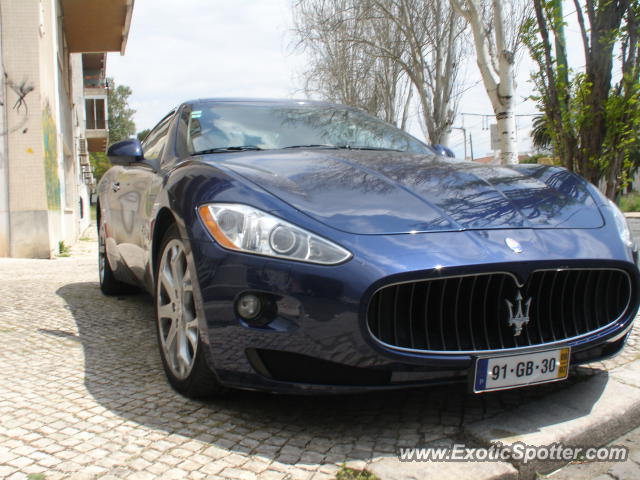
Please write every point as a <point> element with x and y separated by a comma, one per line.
<point>125,152</point>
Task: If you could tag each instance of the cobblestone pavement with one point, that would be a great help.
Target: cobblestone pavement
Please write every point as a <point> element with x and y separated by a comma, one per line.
<point>83,395</point>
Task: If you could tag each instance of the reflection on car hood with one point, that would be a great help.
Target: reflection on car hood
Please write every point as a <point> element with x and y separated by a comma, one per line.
<point>376,192</point>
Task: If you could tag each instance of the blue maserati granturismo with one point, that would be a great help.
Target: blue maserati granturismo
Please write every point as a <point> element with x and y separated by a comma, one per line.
<point>301,247</point>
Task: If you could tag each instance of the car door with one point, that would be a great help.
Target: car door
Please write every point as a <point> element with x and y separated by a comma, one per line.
<point>139,185</point>
<point>111,214</point>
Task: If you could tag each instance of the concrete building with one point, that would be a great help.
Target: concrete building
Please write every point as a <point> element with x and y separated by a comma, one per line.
<point>53,112</point>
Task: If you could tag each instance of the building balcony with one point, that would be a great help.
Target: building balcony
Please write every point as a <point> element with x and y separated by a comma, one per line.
<point>93,70</point>
<point>97,25</point>
<point>97,140</point>
<point>96,123</point>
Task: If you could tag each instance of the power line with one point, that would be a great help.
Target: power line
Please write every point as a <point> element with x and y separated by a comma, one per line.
<point>493,116</point>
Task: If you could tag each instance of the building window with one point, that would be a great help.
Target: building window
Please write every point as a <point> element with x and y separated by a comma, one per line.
<point>95,113</point>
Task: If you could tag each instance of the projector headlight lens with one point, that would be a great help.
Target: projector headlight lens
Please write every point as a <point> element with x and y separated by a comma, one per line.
<point>247,229</point>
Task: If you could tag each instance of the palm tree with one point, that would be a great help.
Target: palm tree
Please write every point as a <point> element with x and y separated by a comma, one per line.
<point>540,136</point>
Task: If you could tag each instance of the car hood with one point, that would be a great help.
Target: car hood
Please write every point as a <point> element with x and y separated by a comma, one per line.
<point>383,192</point>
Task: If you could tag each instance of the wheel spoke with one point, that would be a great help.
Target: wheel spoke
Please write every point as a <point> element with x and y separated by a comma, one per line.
<point>186,281</point>
<point>192,324</point>
<point>167,282</point>
<point>166,311</point>
<point>183,350</point>
<point>175,352</point>
<point>171,336</point>
<point>176,267</point>
<point>191,330</point>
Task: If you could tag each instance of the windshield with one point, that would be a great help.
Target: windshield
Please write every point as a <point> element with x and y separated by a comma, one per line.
<point>230,125</point>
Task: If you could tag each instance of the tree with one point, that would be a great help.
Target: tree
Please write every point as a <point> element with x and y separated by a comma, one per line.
<point>141,135</point>
<point>540,136</point>
<point>593,121</point>
<point>495,35</point>
<point>99,163</point>
<point>121,124</point>
<point>378,54</point>
<point>432,39</point>
<point>344,71</point>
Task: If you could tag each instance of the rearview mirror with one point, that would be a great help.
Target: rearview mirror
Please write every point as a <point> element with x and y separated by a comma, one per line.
<point>125,152</point>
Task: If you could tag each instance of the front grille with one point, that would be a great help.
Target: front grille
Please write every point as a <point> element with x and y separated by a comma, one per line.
<point>472,313</point>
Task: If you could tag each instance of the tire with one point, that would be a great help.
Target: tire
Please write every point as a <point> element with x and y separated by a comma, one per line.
<point>178,322</point>
<point>108,282</point>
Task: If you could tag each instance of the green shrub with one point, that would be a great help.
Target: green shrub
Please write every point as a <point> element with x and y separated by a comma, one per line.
<point>63,249</point>
<point>630,202</point>
<point>346,473</point>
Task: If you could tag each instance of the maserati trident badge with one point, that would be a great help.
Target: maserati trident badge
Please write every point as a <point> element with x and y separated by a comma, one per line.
<point>513,245</point>
<point>520,318</point>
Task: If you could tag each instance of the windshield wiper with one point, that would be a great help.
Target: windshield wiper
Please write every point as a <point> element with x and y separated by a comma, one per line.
<point>343,147</point>
<point>313,145</point>
<point>365,147</point>
<point>240,148</point>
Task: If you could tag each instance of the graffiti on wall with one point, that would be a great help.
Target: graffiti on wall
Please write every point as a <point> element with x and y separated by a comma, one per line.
<point>21,90</point>
<point>49,136</point>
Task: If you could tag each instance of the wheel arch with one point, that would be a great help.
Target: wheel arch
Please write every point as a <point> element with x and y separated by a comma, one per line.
<point>164,220</point>
<point>98,215</point>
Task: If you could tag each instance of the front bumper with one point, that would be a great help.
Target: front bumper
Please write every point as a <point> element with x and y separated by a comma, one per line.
<point>318,340</point>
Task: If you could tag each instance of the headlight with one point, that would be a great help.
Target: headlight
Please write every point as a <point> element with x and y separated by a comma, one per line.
<point>621,225</point>
<point>247,229</point>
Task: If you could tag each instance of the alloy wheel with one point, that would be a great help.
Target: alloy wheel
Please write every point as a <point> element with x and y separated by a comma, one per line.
<point>176,312</point>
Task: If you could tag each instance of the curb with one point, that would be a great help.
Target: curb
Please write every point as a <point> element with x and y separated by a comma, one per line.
<point>591,413</point>
<point>394,469</point>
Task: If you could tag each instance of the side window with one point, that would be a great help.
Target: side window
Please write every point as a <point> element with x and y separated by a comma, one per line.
<point>181,132</point>
<point>154,143</point>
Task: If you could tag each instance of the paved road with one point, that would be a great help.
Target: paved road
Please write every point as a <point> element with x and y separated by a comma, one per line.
<point>83,395</point>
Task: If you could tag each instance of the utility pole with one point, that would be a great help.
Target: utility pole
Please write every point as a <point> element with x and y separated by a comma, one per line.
<point>464,133</point>
<point>471,145</point>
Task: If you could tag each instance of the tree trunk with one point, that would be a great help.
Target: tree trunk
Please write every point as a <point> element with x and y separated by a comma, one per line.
<point>504,103</point>
<point>613,177</point>
<point>495,63</point>
<point>508,137</point>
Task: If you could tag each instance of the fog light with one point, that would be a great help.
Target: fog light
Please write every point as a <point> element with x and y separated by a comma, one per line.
<point>249,306</point>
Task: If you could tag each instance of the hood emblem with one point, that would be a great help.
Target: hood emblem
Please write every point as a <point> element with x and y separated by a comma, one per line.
<point>513,245</point>
<point>520,318</point>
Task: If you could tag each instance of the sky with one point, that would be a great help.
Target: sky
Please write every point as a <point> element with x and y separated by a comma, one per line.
<point>244,48</point>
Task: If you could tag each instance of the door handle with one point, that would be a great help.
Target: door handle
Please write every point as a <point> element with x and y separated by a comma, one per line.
<point>115,186</point>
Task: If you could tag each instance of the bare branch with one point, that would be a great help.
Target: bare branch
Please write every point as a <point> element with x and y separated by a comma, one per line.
<point>383,44</point>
